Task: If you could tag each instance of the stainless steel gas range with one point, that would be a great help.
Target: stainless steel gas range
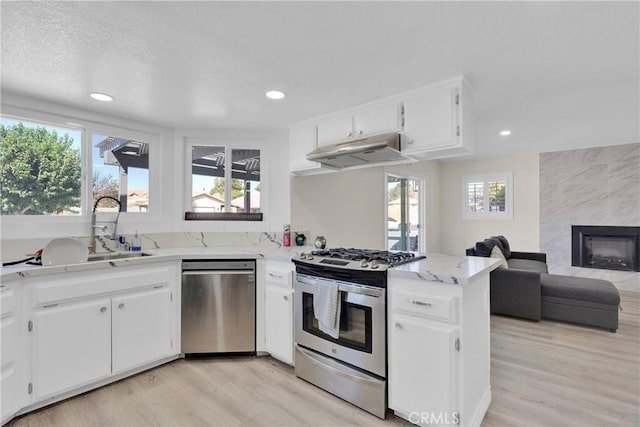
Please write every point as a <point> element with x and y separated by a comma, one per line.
<point>348,359</point>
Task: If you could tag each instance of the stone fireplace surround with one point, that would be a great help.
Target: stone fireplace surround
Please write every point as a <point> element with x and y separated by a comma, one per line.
<point>592,186</point>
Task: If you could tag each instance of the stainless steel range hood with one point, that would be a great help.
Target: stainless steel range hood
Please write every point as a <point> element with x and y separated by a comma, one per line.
<point>373,149</point>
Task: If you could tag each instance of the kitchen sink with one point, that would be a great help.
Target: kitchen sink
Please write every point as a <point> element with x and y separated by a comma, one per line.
<point>116,255</point>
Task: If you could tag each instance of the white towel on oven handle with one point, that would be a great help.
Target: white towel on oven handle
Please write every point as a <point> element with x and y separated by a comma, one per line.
<point>326,308</point>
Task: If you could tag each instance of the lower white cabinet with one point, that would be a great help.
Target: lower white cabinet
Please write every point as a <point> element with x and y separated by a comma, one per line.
<point>13,391</point>
<point>279,311</point>
<point>424,368</point>
<point>71,346</point>
<point>84,332</point>
<point>439,351</point>
<point>141,328</point>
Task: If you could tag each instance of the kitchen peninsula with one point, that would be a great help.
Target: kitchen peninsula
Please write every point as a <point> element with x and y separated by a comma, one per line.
<point>437,310</point>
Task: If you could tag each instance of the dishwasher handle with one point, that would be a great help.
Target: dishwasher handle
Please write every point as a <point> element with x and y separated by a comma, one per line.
<point>215,272</point>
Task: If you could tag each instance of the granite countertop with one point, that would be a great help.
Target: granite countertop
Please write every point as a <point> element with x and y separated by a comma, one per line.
<point>457,270</point>
<point>281,254</point>
<point>450,269</point>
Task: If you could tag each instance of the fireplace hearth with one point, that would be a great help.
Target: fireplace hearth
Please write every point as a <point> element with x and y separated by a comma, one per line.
<point>605,247</point>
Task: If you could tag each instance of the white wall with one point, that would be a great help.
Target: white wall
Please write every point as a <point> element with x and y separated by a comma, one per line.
<point>347,208</point>
<point>457,234</point>
<point>166,193</point>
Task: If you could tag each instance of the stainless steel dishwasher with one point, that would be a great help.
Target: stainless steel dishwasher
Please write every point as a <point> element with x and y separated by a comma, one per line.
<point>218,306</point>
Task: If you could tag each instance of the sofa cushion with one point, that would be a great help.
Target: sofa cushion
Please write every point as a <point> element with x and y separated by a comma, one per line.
<point>528,264</point>
<point>579,288</point>
<point>506,249</point>
<point>497,253</point>
<point>497,242</point>
<point>485,247</point>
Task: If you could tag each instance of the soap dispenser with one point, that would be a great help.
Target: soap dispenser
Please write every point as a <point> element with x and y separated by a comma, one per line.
<point>136,242</point>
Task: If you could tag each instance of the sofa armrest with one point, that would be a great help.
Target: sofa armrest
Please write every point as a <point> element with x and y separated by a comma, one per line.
<point>535,256</point>
<point>516,293</point>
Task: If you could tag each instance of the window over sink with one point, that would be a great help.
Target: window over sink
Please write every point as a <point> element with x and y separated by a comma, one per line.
<point>53,167</point>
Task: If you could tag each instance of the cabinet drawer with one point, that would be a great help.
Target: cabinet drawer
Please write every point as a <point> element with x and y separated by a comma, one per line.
<point>425,305</point>
<point>279,277</point>
<point>101,282</point>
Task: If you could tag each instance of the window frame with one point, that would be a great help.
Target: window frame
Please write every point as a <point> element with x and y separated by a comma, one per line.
<point>229,145</point>
<point>507,214</point>
<point>422,206</point>
<point>88,128</point>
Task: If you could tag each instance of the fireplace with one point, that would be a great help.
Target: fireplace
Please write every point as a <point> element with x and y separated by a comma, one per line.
<point>606,247</point>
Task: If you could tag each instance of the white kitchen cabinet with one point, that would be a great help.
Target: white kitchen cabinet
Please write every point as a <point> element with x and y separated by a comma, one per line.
<point>279,311</point>
<point>90,328</point>
<point>361,122</point>
<point>424,367</point>
<point>438,121</point>
<point>438,351</point>
<point>302,141</point>
<point>13,391</point>
<point>334,128</point>
<point>71,346</point>
<point>141,328</point>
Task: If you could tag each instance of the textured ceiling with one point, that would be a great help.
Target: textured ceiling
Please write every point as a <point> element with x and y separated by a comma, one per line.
<point>559,74</point>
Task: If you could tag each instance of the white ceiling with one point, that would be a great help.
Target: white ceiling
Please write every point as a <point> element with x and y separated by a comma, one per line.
<point>558,74</point>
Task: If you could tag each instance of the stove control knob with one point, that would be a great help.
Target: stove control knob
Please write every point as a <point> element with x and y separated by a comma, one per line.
<point>374,264</point>
<point>363,263</point>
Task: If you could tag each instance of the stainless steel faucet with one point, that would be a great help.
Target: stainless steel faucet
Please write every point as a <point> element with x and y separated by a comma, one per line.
<point>103,227</point>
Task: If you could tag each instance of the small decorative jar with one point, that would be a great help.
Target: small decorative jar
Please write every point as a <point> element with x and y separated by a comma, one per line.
<point>301,239</point>
<point>320,242</point>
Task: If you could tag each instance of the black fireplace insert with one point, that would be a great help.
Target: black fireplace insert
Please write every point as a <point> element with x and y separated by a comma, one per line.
<point>605,247</point>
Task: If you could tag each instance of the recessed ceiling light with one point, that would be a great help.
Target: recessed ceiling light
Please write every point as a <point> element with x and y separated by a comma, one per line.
<point>275,94</point>
<point>505,132</point>
<point>101,96</point>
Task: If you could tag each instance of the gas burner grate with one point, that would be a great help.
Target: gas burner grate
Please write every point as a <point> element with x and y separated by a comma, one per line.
<point>383,257</point>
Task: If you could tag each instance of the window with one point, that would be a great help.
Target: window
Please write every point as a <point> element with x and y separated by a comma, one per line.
<point>41,169</point>
<point>404,212</point>
<point>488,196</point>
<point>58,171</point>
<point>225,183</point>
<point>120,169</point>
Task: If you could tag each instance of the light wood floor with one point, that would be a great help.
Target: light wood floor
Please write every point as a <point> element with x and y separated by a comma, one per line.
<point>542,373</point>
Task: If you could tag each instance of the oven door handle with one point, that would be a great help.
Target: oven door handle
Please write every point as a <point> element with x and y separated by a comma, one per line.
<point>352,375</point>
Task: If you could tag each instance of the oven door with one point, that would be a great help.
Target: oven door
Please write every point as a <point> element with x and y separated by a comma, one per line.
<point>361,341</point>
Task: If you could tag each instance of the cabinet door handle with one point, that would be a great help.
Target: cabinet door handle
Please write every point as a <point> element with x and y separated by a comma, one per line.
<point>360,131</point>
<point>103,309</point>
<point>416,302</point>
<point>399,325</point>
<point>349,134</point>
<point>286,297</point>
<point>121,305</point>
<point>275,276</point>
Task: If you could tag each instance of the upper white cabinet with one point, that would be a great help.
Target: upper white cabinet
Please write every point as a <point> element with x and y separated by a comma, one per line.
<point>302,141</point>
<point>360,123</point>
<point>438,121</point>
<point>334,128</point>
